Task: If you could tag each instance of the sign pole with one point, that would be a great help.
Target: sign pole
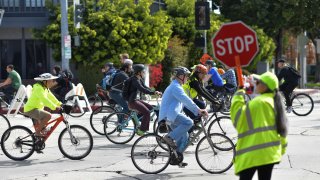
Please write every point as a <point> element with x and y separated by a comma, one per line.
<point>239,71</point>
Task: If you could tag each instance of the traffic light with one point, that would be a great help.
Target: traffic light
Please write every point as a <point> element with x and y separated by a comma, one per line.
<point>78,14</point>
<point>202,15</point>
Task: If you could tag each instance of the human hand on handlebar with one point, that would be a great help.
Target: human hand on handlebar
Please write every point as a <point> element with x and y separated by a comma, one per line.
<point>203,112</point>
<point>158,93</point>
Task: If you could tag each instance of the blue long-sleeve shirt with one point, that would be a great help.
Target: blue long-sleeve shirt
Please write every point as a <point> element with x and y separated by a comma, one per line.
<point>173,100</point>
<point>215,77</point>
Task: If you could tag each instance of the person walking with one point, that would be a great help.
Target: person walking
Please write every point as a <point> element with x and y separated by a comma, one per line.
<point>13,82</point>
<point>262,129</point>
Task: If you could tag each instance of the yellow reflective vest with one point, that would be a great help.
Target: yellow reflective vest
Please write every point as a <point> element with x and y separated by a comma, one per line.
<point>41,97</point>
<point>192,93</point>
<point>258,141</point>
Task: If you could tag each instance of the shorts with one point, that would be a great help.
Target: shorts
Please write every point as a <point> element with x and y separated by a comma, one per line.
<point>38,114</point>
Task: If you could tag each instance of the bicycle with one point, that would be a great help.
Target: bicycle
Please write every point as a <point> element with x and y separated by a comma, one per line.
<point>152,151</point>
<point>97,100</point>
<point>120,128</point>
<point>302,103</point>
<point>19,142</point>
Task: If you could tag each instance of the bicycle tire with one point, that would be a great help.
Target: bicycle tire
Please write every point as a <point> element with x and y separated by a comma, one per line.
<point>209,162</point>
<point>119,133</point>
<point>98,117</point>
<point>75,144</point>
<point>76,108</point>
<point>12,140</point>
<point>149,153</point>
<point>299,101</point>
<point>4,124</point>
<point>224,126</point>
<point>95,101</point>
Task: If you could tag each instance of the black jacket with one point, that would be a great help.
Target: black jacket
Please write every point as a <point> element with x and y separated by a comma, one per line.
<point>288,76</point>
<point>136,87</point>
<point>198,86</point>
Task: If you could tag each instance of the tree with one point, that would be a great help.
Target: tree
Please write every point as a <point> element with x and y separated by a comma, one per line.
<point>272,16</point>
<point>117,27</point>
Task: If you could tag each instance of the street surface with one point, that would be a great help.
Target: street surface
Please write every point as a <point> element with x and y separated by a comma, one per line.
<point>113,162</point>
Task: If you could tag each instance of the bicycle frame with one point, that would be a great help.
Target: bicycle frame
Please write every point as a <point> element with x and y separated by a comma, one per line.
<point>56,122</point>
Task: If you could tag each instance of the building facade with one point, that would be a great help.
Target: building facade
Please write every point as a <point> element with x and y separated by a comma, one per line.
<point>30,56</point>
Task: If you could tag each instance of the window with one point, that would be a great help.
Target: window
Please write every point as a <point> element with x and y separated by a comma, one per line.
<point>35,3</point>
<point>10,53</point>
<point>36,58</point>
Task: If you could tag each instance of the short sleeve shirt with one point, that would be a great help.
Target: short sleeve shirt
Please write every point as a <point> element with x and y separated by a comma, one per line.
<point>216,79</point>
<point>15,78</point>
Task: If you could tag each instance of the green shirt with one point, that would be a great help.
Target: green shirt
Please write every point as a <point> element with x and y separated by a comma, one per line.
<point>15,78</point>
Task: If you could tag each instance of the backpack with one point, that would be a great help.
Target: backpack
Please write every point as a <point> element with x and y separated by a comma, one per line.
<point>109,79</point>
<point>126,89</point>
<point>294,72</point>
<point>67,75</point>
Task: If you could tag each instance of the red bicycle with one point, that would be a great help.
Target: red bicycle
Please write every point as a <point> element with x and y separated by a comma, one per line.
<point>75,141</point>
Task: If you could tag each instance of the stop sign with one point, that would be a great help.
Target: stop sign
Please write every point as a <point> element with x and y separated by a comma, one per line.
<point>235,39</point>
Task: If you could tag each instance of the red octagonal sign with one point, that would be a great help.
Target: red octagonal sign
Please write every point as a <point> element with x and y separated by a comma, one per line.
<point>232,40</point>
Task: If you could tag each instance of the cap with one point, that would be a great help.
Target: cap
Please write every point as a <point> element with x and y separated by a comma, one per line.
<point>268,79</point>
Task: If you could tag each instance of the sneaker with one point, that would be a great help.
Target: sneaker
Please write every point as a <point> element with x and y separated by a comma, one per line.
<point>183,164</point>
<point>168,140</point>
<point>289,109</point>
<point>140,132</point>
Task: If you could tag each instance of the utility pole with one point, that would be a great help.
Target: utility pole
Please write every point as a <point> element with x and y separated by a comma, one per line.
<point>65,37</point>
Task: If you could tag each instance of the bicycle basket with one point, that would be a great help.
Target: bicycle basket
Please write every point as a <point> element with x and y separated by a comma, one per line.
<point>67,109</point>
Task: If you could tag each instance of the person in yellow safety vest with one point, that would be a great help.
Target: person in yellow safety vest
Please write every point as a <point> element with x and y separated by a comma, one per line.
<point>41,97</point>
<point>195,89</point>
<point>262,129</point>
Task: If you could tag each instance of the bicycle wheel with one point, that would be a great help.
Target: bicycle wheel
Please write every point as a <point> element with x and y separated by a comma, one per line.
<point>18,143</point>
<point>217,157</point>
<point>77,143</point>
<point>147,156</point>
<point>98,117</point>
<point>119,128</point>
<point>79,106</point>
<point>95,102</point>
<point>302,104</point>
<point>4,124</point>
<point>224,126</point>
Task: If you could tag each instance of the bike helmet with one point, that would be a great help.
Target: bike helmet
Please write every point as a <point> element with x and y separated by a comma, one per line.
<point>181,71</point>
<point>138,68</point>
<point>210,62</point>
<point>201,69</point>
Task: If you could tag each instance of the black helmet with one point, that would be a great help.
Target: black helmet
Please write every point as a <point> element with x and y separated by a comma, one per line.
<point>180,70</point>
<point>138,68</point>
<point>210,62</point>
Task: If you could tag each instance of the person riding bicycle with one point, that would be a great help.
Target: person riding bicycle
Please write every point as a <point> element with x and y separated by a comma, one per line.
<point>231,81</point>
<point>41,97</point>
<point>195,89</point>
<point>173,100</point>
<point>136,86</point>
<point>109,70</point>
<point>13,82</point>
<point>64,82</point>
<point>291,81</point>
<point>217,82</point>
<point>117,84</point>
<point>262,129</point>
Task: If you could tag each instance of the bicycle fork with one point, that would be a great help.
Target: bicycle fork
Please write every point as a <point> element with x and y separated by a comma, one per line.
<point>72,138</point>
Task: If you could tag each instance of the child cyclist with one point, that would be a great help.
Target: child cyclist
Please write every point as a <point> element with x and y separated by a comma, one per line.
<point>41,97</point>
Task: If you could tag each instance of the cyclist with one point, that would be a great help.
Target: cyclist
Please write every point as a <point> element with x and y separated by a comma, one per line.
<point>13,83</point>
<point>173,100</point>
<point>109,70</point>
<point>291,81</point>
<point>231,80</point>
<point>137,85</point>
<point>194,88</point>
<point>217,82</point>
<point>117,83</point>
<point>64,82</point>
<point>262,128</point>
<point>41,97</point>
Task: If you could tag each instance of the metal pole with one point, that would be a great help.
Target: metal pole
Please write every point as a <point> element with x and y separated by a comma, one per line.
<point>64,33</point>
<point>205,41</point>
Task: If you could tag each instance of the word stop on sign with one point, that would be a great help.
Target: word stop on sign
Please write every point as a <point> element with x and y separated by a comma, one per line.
<point>234,45</point>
